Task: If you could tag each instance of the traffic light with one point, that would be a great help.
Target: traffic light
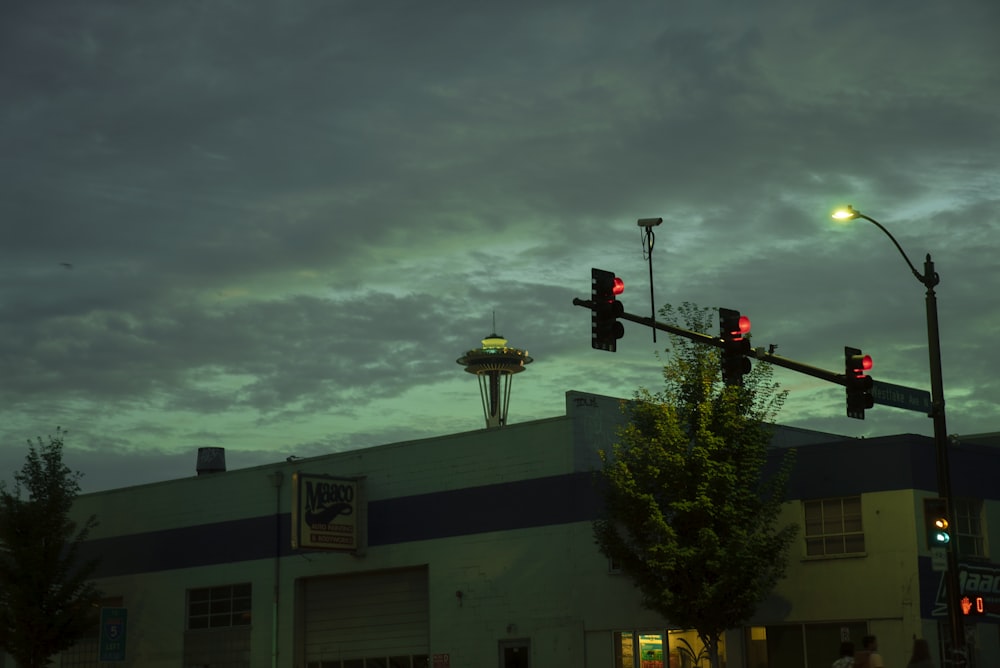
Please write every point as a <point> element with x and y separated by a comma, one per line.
<point>732,327</point>
<point>936,522</point>
<point>859,386</point>
<point>605,330</point>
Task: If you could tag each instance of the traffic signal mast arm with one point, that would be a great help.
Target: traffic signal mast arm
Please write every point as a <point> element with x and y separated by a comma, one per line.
<point>756,353</point>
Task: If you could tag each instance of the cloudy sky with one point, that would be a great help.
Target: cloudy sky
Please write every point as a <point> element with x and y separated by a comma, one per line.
<point>274,226</point>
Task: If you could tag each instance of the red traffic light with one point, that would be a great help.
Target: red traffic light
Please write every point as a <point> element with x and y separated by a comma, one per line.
<point>857,384</point>
<point>734,324</point>
<point>860,364</point>
<point>732,327</point>
<point>605,329</point>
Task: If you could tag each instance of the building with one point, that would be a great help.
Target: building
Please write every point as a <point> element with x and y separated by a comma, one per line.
<point>476,549</point>
<point>862,564</point>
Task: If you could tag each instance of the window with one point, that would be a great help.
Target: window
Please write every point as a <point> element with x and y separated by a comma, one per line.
<point>833,526</point>
<point>673,649</point>
<point>780,645</point>
<point>218,626</point>
<point>219,607</point>
<point>969,527</point>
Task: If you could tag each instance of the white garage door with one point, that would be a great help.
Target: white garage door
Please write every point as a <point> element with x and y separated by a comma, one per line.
<point>370,619</point>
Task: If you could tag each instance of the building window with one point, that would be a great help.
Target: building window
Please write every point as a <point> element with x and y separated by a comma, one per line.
<point>218,626</point>
<point>833,526</point>
<point>673,649</point>
<point>219,607</point>
<point>969,527</point>
<point>782,645</point>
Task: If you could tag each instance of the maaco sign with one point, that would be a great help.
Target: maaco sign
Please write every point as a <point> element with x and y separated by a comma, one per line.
<point>325,512</point>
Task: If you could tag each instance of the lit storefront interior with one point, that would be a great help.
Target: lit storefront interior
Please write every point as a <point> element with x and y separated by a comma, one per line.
<point>662,649</point>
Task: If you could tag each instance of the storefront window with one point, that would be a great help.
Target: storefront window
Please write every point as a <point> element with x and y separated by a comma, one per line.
<point>687,650</point>
<point>624,649</point>
<point>782,645</point>
<point>650,650</point>
<point>671,649</point>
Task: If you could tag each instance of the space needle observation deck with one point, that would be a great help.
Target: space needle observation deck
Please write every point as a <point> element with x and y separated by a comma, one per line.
<point>495,365</point>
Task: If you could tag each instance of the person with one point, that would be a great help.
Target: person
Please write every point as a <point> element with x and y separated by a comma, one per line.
<point>870,645</point>
<point>846,659</point>
<point>921,657</point>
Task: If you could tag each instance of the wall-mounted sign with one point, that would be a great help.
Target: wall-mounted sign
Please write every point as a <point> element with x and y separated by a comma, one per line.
<point>112,643</point>
<point>979,592</point>
<point>325,512</point>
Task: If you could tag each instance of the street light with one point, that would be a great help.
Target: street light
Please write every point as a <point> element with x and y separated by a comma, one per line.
<point>930,279</point>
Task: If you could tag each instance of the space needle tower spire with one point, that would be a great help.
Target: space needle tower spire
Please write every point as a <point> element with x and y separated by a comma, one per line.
<point>495,365</point>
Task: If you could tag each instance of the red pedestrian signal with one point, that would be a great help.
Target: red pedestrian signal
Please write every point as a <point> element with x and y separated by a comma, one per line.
<point>973,606</point>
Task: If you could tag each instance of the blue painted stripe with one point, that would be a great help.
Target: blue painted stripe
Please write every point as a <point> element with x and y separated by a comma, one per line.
<point>501,507</point>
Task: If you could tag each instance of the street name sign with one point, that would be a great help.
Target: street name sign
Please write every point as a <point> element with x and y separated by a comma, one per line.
<point>900,396</point>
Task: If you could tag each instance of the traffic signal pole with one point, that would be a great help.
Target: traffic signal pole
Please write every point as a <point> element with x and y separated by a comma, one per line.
<point>953,589</point>
<point>756,353</point>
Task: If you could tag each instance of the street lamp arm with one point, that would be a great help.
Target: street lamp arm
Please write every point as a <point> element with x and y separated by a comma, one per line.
<point>928,280</point>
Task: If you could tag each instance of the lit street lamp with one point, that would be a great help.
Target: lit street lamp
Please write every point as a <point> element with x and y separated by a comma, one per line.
<point>930,279</point>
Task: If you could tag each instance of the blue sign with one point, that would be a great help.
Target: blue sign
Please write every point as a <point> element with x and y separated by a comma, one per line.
<point>978,592</point>
<point>900,396</point>
<point>113,623</point>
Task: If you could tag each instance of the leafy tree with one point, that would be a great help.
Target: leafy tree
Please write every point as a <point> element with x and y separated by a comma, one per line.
<point>47,601</point>
<point>691,515</point>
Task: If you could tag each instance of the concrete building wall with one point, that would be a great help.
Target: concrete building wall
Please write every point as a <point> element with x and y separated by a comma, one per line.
<point>508,584</point>
<point>879,586</point>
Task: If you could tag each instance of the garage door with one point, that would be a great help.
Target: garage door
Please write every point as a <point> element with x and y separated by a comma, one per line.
<point>367,620</point>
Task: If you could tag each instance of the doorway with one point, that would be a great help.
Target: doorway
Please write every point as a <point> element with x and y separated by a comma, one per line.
<point>515,653</point>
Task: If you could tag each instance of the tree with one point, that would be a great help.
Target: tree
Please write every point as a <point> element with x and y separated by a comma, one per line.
<point>47,600</point>
<point>691,513</point>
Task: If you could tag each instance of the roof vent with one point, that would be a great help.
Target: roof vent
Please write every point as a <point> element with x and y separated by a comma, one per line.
<point>211,460</point>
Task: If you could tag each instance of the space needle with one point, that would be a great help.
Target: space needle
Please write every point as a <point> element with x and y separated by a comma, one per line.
<point>495,365</point>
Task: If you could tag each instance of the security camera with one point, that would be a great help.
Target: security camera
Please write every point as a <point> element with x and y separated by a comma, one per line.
<point>649,222</point>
